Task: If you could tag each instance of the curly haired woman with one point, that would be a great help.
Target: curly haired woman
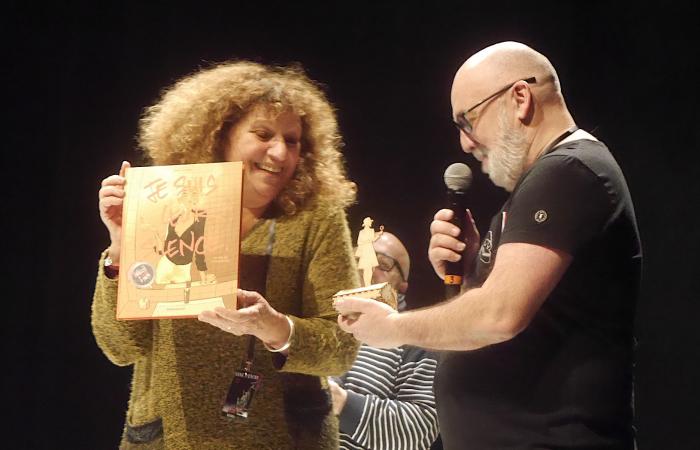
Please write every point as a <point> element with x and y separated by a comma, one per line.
<point>295,253</point>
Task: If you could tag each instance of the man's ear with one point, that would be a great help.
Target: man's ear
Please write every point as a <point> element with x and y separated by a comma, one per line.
<point>525,104</point>
<point>403,286</point>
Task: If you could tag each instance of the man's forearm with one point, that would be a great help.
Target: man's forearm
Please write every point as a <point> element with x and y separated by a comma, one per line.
<point>467,322</point>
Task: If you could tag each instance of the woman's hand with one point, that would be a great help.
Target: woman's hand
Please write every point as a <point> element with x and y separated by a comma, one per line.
<point>111,202</point>
<point>254,316</point>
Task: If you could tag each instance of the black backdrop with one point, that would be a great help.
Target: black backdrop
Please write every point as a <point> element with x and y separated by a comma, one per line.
<point>79,75</point>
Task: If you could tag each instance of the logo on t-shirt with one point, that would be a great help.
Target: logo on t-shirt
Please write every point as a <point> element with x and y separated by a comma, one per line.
<point>486,247</point>
<point>540,216</point>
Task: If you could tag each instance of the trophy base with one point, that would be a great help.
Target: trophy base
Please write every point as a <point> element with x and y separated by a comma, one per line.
<point>381,292</point>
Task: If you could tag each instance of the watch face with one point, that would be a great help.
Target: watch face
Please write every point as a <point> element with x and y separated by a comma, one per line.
<point>108,261</point>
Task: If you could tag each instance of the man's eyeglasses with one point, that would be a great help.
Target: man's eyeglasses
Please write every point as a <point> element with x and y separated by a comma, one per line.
<point>386,263</point>
<point>464,124</point>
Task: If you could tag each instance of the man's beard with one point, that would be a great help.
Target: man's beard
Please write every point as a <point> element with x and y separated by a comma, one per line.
<point>508,154</point>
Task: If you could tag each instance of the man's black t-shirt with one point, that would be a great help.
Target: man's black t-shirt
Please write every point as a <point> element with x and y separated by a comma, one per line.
<point>566,380</point>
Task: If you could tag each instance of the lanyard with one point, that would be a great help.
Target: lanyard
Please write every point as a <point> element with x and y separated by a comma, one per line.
<point>549,149</point>
<point>250,348</point>
<point>560,138</point>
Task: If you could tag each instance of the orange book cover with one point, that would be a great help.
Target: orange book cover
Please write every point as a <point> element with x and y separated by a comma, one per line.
<point>180,240</point>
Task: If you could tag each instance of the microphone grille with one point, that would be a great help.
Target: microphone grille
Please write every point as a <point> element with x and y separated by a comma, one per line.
<point>458,177</point>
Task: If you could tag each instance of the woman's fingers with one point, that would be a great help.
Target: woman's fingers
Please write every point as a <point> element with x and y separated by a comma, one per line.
<point>114,180</point>
<point>111,198</point>
<point>122,169</point>
<point>111,191</point>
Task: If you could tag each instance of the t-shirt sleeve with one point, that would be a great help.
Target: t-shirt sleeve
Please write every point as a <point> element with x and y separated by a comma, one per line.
<point>560,204</point>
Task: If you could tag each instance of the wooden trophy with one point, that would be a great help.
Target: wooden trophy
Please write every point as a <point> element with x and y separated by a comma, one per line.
<point>367,261</point>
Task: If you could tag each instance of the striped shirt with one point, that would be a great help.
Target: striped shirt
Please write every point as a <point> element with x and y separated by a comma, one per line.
<point>390,403</point>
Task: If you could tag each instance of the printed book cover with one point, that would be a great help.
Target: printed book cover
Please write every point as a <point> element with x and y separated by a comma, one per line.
<point>180,240</point>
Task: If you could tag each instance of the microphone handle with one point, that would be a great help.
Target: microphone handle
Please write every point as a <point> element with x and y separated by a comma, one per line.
<point>454,271</point>
<point>451,290</point>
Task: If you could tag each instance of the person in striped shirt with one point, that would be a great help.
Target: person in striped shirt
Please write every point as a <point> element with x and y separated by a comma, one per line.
<point>386,401</point>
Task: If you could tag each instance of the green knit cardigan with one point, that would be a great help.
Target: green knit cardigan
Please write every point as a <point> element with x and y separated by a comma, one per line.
<point>182,368</point>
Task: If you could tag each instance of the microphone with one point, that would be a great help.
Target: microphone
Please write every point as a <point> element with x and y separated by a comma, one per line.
<point>458,178</point>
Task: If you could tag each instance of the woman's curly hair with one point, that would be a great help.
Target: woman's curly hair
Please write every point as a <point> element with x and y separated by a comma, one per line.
<point>191,123</point>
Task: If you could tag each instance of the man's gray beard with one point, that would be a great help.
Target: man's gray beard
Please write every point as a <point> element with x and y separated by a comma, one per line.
<point>507,157</point>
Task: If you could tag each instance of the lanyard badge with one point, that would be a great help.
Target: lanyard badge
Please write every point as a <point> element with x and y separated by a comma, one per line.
<point>240,394</point>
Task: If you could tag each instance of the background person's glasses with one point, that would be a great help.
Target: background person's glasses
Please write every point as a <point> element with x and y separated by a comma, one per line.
<point>464,124</point>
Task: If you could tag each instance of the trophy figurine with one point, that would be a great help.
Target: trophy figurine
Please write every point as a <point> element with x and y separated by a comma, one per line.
<point>367,261</point>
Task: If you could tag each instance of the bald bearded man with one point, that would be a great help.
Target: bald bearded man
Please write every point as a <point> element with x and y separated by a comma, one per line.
<point>539,344</point>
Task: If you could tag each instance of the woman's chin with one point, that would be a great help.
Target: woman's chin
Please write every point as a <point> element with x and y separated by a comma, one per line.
<point>259,196</point>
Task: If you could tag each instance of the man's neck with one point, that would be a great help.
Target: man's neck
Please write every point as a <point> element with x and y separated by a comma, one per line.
<point>548,136</point>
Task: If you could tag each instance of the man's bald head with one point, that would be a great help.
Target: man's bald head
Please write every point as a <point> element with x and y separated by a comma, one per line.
<point>506,62</point>
<point>389,245</point>
<point>506,118</point>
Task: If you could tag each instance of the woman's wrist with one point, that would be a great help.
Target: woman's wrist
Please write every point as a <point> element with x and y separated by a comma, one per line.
<point>111,268</point>
<point>280,346</point>
<point>113,252</point>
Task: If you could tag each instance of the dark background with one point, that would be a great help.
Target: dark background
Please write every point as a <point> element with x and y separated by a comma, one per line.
<point>78,76</point>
